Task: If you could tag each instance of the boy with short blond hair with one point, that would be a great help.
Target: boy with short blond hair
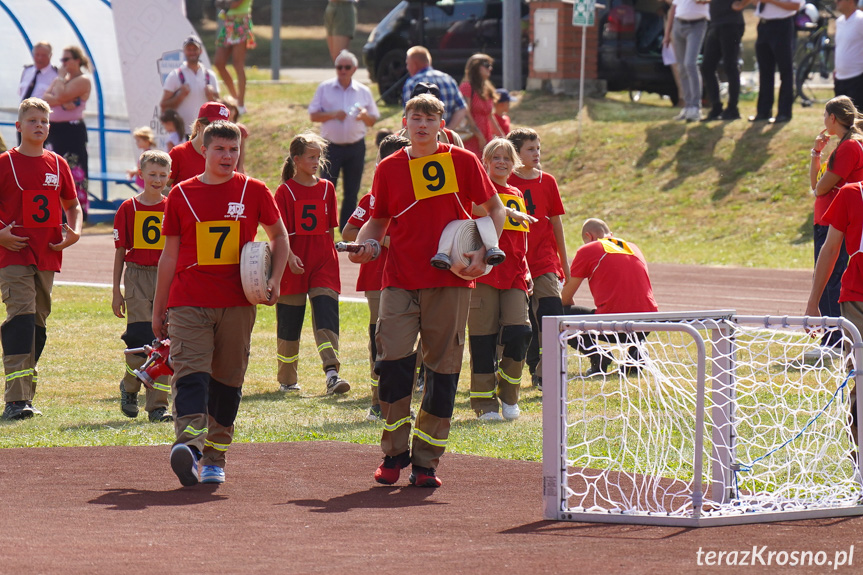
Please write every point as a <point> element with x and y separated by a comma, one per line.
<point>138,241</point>
<point>36,191</point>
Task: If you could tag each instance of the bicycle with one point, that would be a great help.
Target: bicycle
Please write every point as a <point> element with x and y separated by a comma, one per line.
<point>814,58</point>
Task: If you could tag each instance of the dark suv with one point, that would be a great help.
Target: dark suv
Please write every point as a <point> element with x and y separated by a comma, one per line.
<point>629,47</point>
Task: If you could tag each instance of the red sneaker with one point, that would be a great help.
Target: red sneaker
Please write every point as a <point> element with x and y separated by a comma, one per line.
<point>388,472</point>
<point>424,477</point>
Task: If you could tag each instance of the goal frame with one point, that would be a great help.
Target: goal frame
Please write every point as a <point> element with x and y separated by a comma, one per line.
<point>554,372</point>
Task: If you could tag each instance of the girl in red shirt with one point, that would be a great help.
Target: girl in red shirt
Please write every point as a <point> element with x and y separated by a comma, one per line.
<point>308,207</point>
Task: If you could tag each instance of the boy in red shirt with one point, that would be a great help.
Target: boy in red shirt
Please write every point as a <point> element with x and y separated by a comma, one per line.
<point>546,246</point>
<point>200,303</point>
<point>138,241</point>
<point>616,272</point>
<point>418,191</point>
<point>36,190</point>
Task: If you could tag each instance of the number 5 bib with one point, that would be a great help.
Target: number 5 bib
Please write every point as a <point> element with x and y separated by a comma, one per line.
<point>218,242</point>
<point>41,209</point>
<point>433,176</point>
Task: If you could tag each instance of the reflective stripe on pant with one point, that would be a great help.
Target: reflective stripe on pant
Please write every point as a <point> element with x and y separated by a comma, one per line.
<point>495,367</point>
<point>374,300</point>
<point>26,294</point>
<point>439,315</point>
<point>210,353</point>
<point>290,314</point>
<point>544,301</point>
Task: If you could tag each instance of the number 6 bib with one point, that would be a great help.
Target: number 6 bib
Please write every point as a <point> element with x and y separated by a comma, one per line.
<point>41,209</point>
<point>433,176</point>
<point>218,242</point>
<point>148,231</point>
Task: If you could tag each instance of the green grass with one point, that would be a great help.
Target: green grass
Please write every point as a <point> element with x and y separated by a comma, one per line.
<point>83,363</point>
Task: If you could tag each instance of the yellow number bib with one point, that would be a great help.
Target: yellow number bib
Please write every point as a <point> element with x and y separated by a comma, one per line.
<point>514,203</point>
<point>616,246</point>
<point>433,176</point>
<point>148,231</point>
<point>218,242</point>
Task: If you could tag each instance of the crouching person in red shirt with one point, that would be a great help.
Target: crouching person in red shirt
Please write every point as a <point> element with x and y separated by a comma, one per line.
<point>200,303</point>
<point>616,272</point>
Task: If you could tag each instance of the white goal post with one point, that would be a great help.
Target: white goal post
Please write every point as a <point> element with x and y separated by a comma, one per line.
<point>700,418</point>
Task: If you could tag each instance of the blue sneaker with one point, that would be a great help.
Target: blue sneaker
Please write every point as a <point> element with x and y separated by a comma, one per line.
<point>212,474</point>
<point>184,462</point>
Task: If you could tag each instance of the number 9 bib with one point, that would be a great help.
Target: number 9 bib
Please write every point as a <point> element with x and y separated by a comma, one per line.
<point>433,176</point>
<point>514,203</point>
<point>218,242</point>
<point>148,231</point>
<point>41,209</point>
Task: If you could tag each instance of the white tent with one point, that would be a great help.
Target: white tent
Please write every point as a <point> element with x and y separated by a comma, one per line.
<point>148,27</point>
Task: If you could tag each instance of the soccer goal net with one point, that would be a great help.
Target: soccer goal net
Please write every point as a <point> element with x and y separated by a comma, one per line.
<point>701,418</point>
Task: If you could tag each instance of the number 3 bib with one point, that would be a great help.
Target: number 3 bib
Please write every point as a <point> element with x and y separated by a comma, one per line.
<point>517,204</point>
<point>433,176</point>
<point>41,209</point>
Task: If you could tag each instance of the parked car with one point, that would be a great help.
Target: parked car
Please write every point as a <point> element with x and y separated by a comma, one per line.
<point>629,46</point>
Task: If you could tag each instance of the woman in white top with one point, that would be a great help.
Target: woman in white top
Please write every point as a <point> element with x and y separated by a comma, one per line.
<point>68,96</point>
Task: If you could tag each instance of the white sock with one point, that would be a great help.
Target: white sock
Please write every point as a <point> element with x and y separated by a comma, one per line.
<point>332,372</point>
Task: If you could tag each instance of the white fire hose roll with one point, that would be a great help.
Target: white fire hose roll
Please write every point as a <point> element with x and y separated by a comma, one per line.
<point>255,270</point>
<point>462,236</point>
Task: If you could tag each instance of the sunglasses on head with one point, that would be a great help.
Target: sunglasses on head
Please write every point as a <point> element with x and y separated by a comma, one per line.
<point>344,67</point>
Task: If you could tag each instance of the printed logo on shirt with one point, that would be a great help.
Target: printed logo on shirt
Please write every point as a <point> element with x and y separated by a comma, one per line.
<point>359,213</point>
<point>51,179</point>
<point>116,235</point>
<point>235,210</point>
<point>372,202</point>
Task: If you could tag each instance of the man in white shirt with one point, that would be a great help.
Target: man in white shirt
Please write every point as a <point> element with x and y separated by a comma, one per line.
<point>345,109</point>
<point>37,76</point>
<point>774,51</point>
<point>191,85</point>
<point>848,73</point>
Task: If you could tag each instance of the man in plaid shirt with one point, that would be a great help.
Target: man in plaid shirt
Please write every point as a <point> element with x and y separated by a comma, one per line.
<point>419,66</point>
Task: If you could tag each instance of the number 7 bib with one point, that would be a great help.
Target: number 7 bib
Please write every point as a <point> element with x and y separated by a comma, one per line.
<point>218,242</point>
<point>41,209</point>
<point>433,176</point>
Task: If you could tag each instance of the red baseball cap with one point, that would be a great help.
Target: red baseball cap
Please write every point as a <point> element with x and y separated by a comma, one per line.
<point>213,111</point>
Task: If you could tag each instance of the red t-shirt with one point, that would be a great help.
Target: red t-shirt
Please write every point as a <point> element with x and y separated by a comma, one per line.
<point>846,215</point>
<point>416,225</point>
<point>186,162</point>
<point>310,213</point>
<point>512,273</point>
<point>138,229</point>
<point>371,274</point>
<point>503,122</point>
<point>617,274</point>
<point>848,165</point>
<point>31,190</point>
<point>210,277</point>
<point>542,200</point>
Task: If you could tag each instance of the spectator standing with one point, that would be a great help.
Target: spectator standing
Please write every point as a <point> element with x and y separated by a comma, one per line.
<point>419,65</point>
<point>501,110</point>
<point>67,96</point>
<point>36,77</point>
<point>191,85</point>
<point>480,95</point>
<point>774,51</point>
<point>723,42</point>
<point>686,26</point>
<point>340,21</point>
<point>346,110</point>
<point>848,74</point>
<point>845,166</point>
<point>233,38</point>
<point>174,128</point>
